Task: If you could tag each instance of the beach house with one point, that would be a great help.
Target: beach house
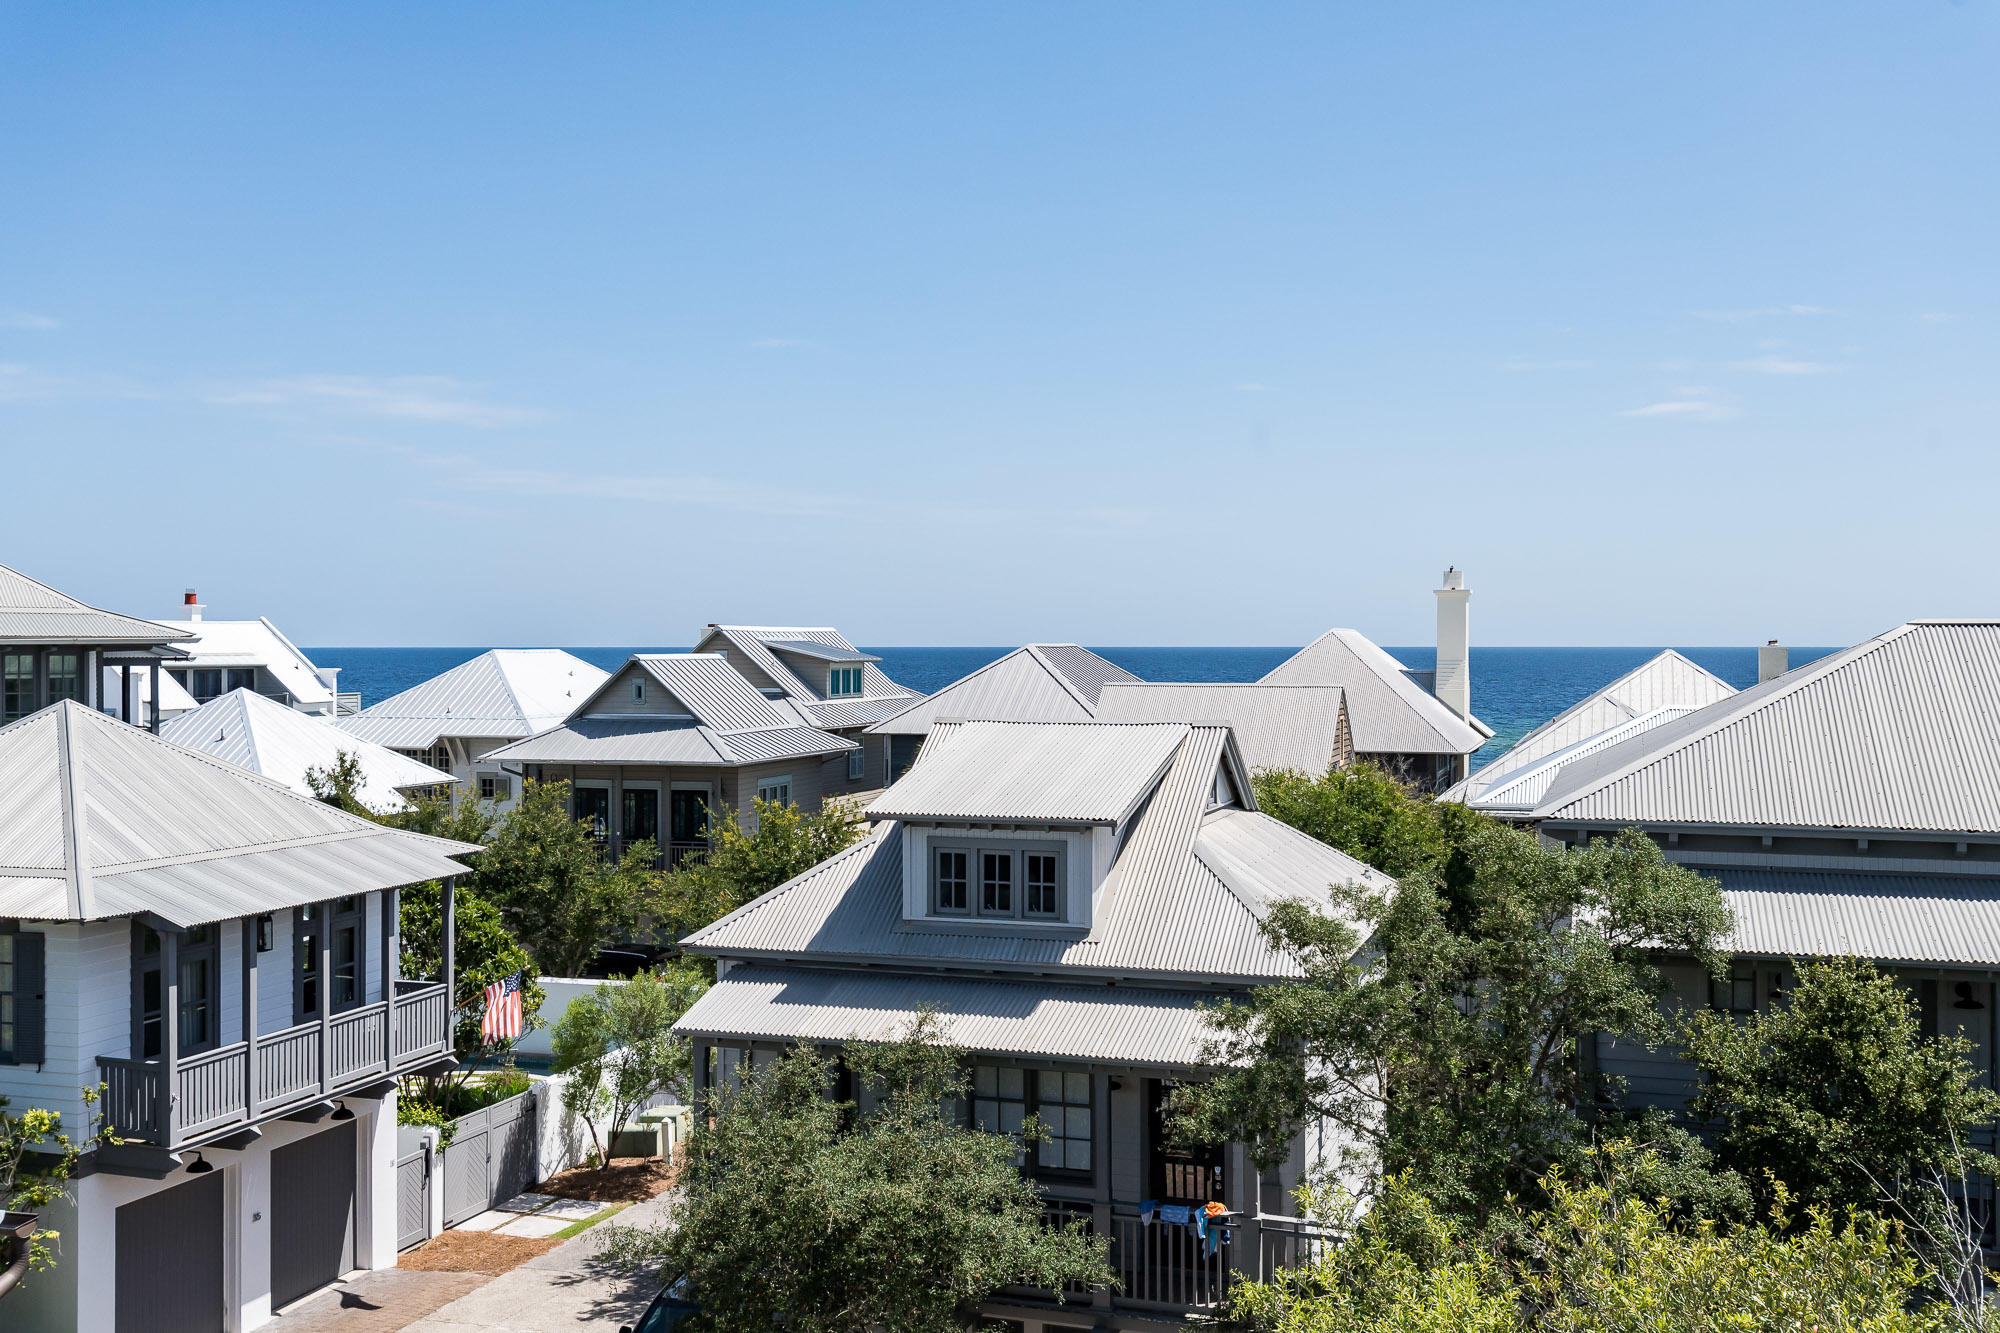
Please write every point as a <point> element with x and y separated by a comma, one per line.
<point>53,647</point>
<point>225,655</point>
<point>264,736</point>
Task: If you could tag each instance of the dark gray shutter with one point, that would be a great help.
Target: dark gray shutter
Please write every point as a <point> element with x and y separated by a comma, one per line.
<point>30,1007</point>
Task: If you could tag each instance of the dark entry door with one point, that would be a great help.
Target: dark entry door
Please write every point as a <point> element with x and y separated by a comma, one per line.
<point>170,1260</point>
<point>688,815</point>
<point>593,807</point>
<point>641,816</point>
<point>1179,1172</point>
<point>312,1213</point>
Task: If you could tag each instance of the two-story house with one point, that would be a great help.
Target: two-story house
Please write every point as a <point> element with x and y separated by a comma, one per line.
<point>452,720</point>
<point>53,647</point>
<point>225,655</point>
<point>222,954</point>
<point>672,736</point>
<point>1065,896</point>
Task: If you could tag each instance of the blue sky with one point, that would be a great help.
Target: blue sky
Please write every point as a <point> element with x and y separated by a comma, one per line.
<point>1124,323</point>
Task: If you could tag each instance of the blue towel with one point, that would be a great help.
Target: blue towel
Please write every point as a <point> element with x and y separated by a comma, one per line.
<point>1175,1214</point>
<point>1147,1207</point>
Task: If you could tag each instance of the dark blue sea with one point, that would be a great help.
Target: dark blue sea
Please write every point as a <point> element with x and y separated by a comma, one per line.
<point>1514,690</point>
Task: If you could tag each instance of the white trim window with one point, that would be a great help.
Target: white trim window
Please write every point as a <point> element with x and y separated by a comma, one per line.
<point>778,791</point>
<point>1003,882</point>
<point>844,682</point>
<point>857,765</point>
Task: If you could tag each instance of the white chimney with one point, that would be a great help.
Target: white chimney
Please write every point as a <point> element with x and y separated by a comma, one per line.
<point>1771,661</point>
<point>191,607</point>
<point>1453,683</point>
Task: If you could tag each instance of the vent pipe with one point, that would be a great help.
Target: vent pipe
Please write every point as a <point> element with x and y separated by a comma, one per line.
<point>1771,661</point>
<point>191,607</point>
<point>1453,682</point>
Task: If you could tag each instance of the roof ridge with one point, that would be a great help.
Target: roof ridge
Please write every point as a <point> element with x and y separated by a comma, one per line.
<point>921,699</point>
<point>249,731</point>
<point>82,893</point>
<point>1034,650</point>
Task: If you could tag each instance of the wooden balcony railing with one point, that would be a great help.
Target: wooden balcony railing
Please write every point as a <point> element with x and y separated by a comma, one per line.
<point>1166,1266</point>
<point>216,1090</point>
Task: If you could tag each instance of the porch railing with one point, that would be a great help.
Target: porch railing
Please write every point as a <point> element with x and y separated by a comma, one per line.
<point>1289,1242</point>
<point>1167,1266</point>
<point>214,1090</point>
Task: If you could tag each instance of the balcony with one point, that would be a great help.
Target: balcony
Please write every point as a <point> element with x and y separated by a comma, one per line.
<point>236,1087</point>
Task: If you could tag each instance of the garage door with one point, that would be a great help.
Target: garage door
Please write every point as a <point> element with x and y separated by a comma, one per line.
<point>170,1260</point>
<point>312,1213</point>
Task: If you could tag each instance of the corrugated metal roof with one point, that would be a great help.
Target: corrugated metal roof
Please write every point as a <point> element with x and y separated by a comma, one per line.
<point>711,689</point>
<point>1665,681</point>
<point>503,694</point>
<point>125,821</point>
<point>847,714</point>
<point>784,743</point>
<point>250,731</point>
<point>824,652</point>
<point>1388,711</point>
<point>1148,1027</point>
<point>1185,897</point>
<point>609,740</point>
<point>1276,726</point>
<point>1901,732</point>
<point>33,612</point>
<point>1519,792</point>
<point>1084,772</point>
<point>256,642</point>
<point>1889,918</point>
<point>753,641</point>
<point>1025,685</point>
<point>1084,671</point>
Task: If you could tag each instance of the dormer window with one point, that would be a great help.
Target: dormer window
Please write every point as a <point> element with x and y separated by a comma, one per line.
<point>1002,882</point>
<point>844,682</point>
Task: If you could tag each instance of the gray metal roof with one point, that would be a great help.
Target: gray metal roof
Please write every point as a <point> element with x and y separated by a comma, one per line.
<point>250,731</point>
<point>1301,727</point>
<point>1124,1023</point>
<point>849,714</point>
<point>499,695</point>
<point>1935,919</point>
<point>99,819</point>
<point>1185,897</point>
<point>711,689</point>
<point>1516,794</point>
<point>824,652</point>
<point>1901,732</point>
<point>656,740</point>
<point>1665,681</point>
<point>1085,772</point>
<point>32,612</point>
<point>1390,713</point>
<point>754,641</point>
<point>1040,682</point>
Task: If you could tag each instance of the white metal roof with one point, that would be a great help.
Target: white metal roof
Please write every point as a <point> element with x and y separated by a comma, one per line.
<point>1517,793</point>
<point>1300,727</point>
<point>1039,682</point>
<point>239,643</point>
<point>502,694</point>
<point>264,736</point>
<point>1938,919</point>
<point>1125,1023</point>
<point>1084,772</point>
<point>99,819</point>
<point>32,612</point>
<point>1666,681</point>
<point>824,652</point>
<point>1901,732</point>
<point>173,699</point>
<point>1389,712</point>
<point>756,644</point>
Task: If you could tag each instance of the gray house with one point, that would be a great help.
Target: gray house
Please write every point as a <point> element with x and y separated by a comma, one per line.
<point>222,953</point>
<point>1066,896</point>
<point>53,647</point>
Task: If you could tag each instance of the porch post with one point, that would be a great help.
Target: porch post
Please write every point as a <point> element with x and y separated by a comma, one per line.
<point>392,900</point>
<point>153,724</point>
<point>125,693</point>
<point>1243,1194</point>
<point>325,913</point>
<point>1100,1169</point>
<point>170,1033</point>
<point>450,953</point>
<point>250,1017</point>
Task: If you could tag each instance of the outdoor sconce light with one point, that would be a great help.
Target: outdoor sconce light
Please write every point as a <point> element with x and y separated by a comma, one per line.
<point>1966,999</point>
<point>264,933</point>
<point>200,1166</point>
<point>340,1112</point>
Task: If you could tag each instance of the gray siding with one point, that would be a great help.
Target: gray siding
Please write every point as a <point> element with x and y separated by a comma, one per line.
<point>618,699</point>
<point>1657,1077</point>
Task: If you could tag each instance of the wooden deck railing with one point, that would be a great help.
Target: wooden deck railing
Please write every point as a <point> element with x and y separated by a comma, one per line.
<point>1166,1266</point>
<point>213,1091</point>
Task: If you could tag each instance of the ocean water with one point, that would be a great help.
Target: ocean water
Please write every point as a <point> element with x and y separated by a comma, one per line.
<point>1514,690</point>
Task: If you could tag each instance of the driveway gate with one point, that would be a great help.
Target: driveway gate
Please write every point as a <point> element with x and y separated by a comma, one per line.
<point>490,1159</point>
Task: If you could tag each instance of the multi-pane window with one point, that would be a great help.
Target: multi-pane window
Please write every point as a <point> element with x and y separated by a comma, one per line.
<point>305,948</point>
<point>239,678</point>
<point>856,765</point>
<point>195,1017</point>
<point>951,880</point>
<point>65,677</point>
<point>996,883</point>
<point>495,787</point>
<point>844,681</point>
<point>17,686</point>
<point>1004,1096</point>
<point>197,999</point>
<point>778,791</point>
<point>1044,898</point>
<point>7,997</point>
<point>204,683</point>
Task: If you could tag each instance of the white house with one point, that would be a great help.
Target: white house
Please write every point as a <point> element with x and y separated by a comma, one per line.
<point>223,954</point>
<point>225,655</point>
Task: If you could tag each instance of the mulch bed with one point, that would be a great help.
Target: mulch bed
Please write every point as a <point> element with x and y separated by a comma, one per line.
<point>625,1180</point>
<point>475,1252</point>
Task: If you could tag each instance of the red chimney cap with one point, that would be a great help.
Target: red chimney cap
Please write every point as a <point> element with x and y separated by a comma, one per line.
<point>187,598</point>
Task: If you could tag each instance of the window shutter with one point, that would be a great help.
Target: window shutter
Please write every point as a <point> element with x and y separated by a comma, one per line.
<point>30,1006</point>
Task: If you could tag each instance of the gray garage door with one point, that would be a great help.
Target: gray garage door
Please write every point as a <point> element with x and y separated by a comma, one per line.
<point>312,1213</point>
<point>170,1260</point>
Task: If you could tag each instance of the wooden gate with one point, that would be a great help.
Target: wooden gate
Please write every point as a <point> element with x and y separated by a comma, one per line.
<point>491,1158</point>
<point>413,1187</point>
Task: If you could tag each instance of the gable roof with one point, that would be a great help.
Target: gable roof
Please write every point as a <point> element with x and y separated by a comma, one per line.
<point>256,642</point>
<point>1661,688</point>
<point>879,695</point>
<point>33,612</point>
<point>1901,732</point>
<point>1388,710</point>
<point>1087,773</point>
<point>264,736</point>
<point>99,819</point>
<point>1184,898</point>
<point>1300,727</point>
<point>502,694</point>
<point>1038,682</point>
<point>728,723</point>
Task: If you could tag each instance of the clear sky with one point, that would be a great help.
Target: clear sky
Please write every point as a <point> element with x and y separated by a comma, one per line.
<point>949,323</point>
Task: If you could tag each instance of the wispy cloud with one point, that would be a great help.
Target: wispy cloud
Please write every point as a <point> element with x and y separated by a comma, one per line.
<point>430,398</point>
<point>654,488</point>
<point>25,319</point>
<point>1782,365</point>
<point>1747,313</point>
<point>1691,404</point>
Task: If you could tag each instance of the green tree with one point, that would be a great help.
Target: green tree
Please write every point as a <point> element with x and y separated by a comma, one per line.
<point>1364,812</point>
<point>802,1213</point>
<point>739,865</point>
<point>485,953</point>
<point>618,1047</point>
<point>38,1158</point>
<point>1448,1049</point>
<point>1838,1100</point>
<point>339,784</point>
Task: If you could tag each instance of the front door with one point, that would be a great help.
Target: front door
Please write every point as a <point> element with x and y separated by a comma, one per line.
<point>593,807</point>
<point>640,819</point>
<point>1179,1172</point>
<point>688,816</point>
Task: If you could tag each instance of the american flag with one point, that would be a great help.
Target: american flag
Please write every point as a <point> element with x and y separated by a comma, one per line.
<point>503,1020</point>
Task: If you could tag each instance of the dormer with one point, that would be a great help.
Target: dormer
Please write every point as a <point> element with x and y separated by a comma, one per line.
<point>1015,827</point>
<point>831,670</point>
